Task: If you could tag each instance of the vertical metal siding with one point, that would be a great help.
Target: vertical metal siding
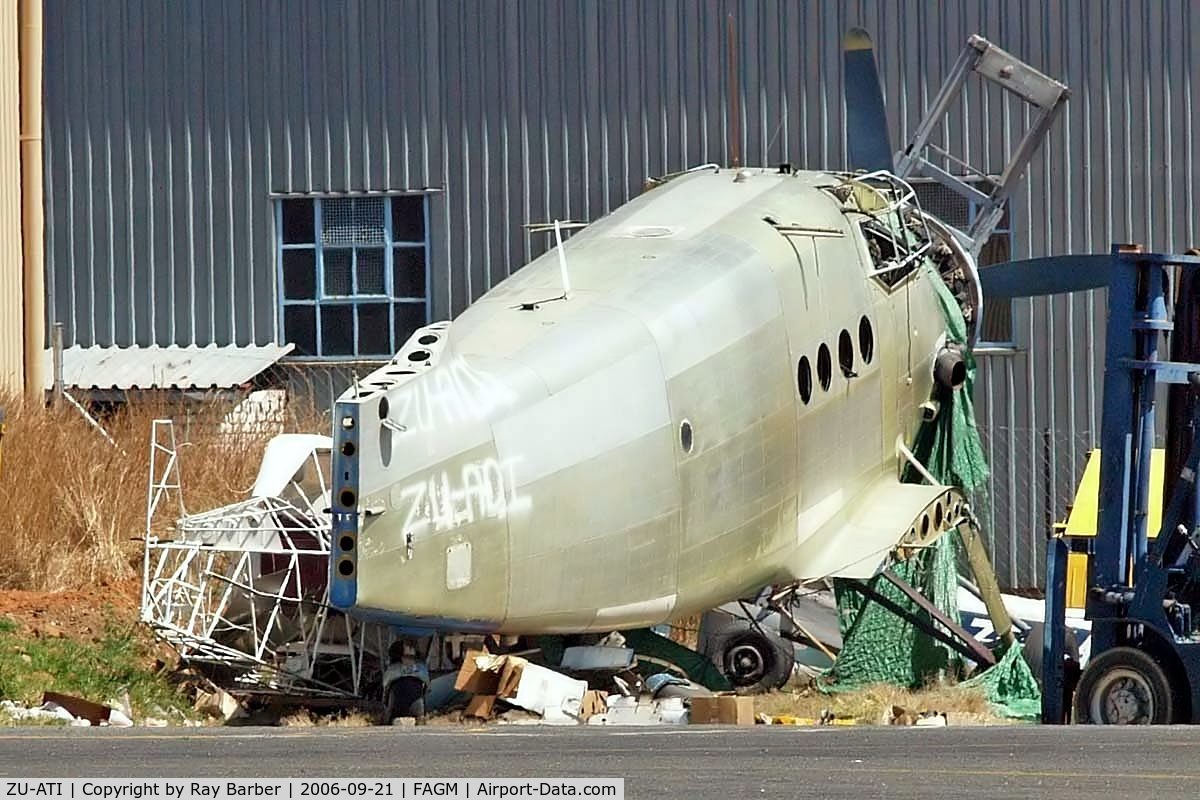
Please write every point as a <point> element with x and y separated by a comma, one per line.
<point>11,283</point>
<point>170,125</point>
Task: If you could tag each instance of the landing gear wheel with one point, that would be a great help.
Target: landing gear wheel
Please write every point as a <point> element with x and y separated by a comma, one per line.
<point>1124,686</point>
<point>754,660</point>
<point>405,697</point>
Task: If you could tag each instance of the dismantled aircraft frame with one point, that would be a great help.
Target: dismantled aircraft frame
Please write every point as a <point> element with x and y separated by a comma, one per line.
<point>240,589</point>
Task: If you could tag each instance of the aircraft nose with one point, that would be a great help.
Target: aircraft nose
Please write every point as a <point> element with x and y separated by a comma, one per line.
<point>414,460</point>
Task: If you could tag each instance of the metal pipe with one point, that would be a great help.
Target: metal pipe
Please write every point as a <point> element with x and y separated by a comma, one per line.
<point>1154,314</point>
<point>29,23</point>
<point>735,120</point>
<point>56,353</point>
<point>950,369</point>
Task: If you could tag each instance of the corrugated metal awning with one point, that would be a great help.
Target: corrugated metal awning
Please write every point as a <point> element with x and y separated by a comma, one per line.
<point>173,367</point>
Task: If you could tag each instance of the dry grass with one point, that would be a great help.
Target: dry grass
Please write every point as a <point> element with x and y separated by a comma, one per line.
<point>870,704</point>
<point>72,504</point>
<point>306,718</point>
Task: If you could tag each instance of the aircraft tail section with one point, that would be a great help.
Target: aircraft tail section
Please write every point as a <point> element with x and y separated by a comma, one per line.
<point>885,523</point>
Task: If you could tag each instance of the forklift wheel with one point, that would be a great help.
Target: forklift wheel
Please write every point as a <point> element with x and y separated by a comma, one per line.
<point>1123,686</point>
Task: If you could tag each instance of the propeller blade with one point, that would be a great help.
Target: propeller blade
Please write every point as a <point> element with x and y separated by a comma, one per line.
<point>867,140</point>
<point>1036,277</point>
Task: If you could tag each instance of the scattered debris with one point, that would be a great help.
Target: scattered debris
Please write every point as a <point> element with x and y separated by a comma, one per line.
<point>538,694</point>
<point>664,684</point>
<point>643,710</point>
<point>897,715</point>
<point>594,702</point>
<point>597,657</point>
<point>118,719</point>
<point>481,706</point>
<point>46,712</point>
<point>827,718</point>
<point>64,708</point>
<point>518,682</point>
<point>77,707</point>
<point>218,703</point>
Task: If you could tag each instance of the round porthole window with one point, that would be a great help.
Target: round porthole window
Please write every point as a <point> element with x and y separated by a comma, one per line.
<point>846,353</point>
<point>824,367</point>
<point>866,340</point>
<point>804,379</point>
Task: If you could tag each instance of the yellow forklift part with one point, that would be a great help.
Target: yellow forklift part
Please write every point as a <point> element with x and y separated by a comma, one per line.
<point>1082,519</point>
<point>1077,579</point>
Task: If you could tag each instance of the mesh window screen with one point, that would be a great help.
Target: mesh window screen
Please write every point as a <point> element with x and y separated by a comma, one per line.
<point>943,203</point>
<point>337,272</point>
<point>352,220</point>
<point>369,264</point>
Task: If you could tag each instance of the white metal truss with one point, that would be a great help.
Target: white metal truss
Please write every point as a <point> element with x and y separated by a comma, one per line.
<point>1044,97</point>
<point>885,197</point>
<point>243,588</point>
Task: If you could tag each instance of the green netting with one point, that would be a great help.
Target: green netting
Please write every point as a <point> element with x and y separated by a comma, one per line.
<point>880,647</point>
<point>1009,686</point>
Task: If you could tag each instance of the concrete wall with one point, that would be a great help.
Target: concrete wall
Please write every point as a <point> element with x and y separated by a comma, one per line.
<point>170,126</point>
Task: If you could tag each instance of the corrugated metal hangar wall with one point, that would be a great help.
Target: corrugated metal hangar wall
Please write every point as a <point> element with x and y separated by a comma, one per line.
<point>172,127</point>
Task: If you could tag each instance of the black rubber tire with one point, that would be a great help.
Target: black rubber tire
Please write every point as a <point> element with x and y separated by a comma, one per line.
<point>1032,648</point>
<point>753,660</point>
<point>405,697</point>
<point>1124,686</point>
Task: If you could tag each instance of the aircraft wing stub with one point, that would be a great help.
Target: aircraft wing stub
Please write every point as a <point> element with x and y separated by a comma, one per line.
<point>889,521</point>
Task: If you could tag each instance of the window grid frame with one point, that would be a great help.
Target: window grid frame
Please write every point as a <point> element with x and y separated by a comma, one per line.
<point>320,298</point>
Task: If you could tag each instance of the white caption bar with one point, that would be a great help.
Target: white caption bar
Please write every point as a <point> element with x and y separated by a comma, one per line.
<point>300,789</point>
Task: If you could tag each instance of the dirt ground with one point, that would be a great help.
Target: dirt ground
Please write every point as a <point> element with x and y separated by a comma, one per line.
<point>80,615</point>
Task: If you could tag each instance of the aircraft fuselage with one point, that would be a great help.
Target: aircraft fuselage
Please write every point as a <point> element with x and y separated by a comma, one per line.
<point>726,379</point>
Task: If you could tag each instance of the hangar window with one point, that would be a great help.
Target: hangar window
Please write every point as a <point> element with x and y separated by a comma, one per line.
<point>353,273</point>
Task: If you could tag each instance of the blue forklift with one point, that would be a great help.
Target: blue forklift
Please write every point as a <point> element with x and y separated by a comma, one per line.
<point>1145,643</point>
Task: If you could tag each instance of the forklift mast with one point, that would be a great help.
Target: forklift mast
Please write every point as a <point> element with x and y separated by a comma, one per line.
<point>1145,653</point>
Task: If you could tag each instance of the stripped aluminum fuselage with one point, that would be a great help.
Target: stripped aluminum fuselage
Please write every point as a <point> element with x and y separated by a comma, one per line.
<point>645,447</point>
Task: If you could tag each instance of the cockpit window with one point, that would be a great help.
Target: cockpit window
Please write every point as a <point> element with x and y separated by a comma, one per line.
<point>889,252</point>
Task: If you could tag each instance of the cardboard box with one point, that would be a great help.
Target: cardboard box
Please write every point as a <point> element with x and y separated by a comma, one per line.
<point>722,709</point>
<point>480,673</point>
<point>537,689</point>
<point>594,702</point>
<point>481,706</point>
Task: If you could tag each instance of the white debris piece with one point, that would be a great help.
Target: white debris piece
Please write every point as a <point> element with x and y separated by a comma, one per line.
<point>218,703</point>
<point>540,690</point>
<point>644,710</point>
<point>117,719</point>
<point>46,711</point>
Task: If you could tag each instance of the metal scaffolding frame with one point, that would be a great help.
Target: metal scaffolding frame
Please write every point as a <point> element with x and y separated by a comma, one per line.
<point>243,589</point>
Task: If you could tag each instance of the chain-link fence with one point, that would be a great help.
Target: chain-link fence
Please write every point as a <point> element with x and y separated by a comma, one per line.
<point>1031,485</point>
